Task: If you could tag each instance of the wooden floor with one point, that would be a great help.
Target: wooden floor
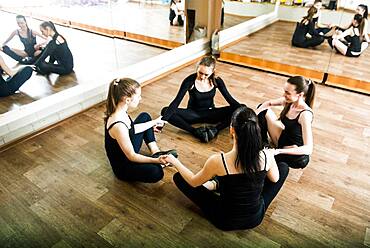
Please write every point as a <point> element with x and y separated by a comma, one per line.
<point>271,48</point>
<point>57,189</point>
<point>93,54</point>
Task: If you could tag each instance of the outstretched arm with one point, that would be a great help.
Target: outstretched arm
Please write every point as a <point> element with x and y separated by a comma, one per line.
<point>121,134</point>
<point>185,86</point>
<point>195,180</point>
<point>225,93</point>
<point>9,38</point>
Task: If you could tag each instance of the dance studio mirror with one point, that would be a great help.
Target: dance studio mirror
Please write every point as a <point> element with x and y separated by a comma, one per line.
<point>339,14</point>
<point>93,54</point>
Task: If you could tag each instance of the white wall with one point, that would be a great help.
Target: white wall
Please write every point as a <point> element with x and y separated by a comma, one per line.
<point>40,114</point>
<point>248,9</point>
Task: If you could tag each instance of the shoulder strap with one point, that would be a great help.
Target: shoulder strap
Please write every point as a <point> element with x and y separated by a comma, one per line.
<point>265,159</point>
<point>114,123</point>
<point>303,111</point>
<point>224,162</point>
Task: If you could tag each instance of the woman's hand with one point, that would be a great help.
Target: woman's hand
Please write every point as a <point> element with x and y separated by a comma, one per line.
<point>170,159</point>
<point>158,124</point>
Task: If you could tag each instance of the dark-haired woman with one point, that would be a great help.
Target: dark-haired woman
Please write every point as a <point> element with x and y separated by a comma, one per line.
<point>307,26</point>
<point>176,13</point>
<point>292,132</point>
<point>17,79</point>
<point>28,38</point>
<point>201,87</point>
<point>124,137</point>
<point>244,191</point>
<point>352,47</point>
<point>57,50</point>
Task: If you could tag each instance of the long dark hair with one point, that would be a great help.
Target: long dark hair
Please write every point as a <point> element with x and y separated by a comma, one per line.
<point>209,61</point>
<point>52,26</point>
<point>29,31</point>
<point>118,88</point>
<point>364,7</point>
<point>310,13</point>
<point>361,23</point>
<point>248,139</point>
<point>307,86</point>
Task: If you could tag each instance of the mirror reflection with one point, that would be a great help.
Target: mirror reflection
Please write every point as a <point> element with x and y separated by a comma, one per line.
<point>40,58</point>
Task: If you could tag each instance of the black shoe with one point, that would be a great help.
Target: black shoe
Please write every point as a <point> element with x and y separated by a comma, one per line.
<point>26,61</point>
<point>172,151</point>
<point>212,132</point>
<point>202,134</point>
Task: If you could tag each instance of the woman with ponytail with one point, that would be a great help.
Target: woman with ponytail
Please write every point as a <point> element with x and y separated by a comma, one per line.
<point>291,133</point>
<point>307,26</point>
<point>243,191</point>
<point>124,137</point>
<point>201,87</point>
<point>57,50</point>
<point>28,37</point>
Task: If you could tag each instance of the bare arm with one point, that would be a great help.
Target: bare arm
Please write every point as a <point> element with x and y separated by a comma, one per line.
<point>121,134</point>
<point>344,34</point>
<point>141,127</point>
<point>273,171</point>
<point>270,103</point>
<point>9,38</point>
<point>305,120</point>
<point>6,68</point>
<point>195,180</point>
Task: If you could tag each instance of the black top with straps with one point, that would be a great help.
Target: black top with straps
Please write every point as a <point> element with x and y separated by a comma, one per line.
<point>28,43</point>
<point>355,42</point>
<point>198,100</point>
<point>241,201</point>
<point>116,156</point>
<point>292,134</point>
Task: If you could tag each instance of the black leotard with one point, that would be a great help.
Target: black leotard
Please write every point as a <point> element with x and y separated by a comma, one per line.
<point>241,203</point>
<point>292,133</point>
<point>354,44</point>
<point>116,156</point>
<point>28,43</point>
<point>198,100</point>
<point>299,38</point>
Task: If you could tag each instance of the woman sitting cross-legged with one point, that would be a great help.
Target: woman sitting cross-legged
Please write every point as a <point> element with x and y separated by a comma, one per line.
<point>124,137</point>
<point>247,176</point>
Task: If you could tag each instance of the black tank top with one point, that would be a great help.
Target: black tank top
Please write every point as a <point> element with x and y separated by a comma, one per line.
<point>28,43</point>
<point>201,100</point>
<point>355,42</point>
<point>292,134</point>
<point>241,200</point>
<point>116,156</point>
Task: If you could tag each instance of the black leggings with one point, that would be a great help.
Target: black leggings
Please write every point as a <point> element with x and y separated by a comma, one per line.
<point>184,118</point>
<point>148,173</point>
<point>294,161</point>
<point>10,86</point>
<point>44,67</point>
<point>312,42</point>
<point>209,202</point>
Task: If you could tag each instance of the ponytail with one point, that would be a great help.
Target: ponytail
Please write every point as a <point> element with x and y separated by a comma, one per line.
<point>248,139</point>
<point>51,25</point>
<point>119,88</point>
<point>364,7</point>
